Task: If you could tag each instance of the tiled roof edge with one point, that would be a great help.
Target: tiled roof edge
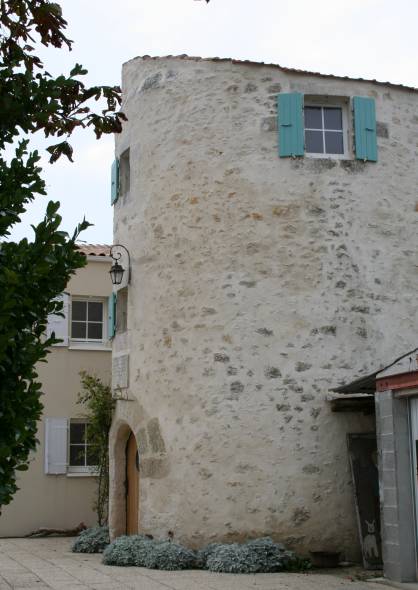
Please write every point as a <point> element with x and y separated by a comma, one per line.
<point>279,67</point>
<point>94,249</point>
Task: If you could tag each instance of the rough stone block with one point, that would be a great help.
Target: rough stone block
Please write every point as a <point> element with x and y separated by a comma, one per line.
<point>388,478</point>
<point>391,534</point>
<point>385,406</point>
<point>388,460</point>
<point>389,497</point>
<point>390,515</point>
<point>387,442</point>
<point>386,425</point>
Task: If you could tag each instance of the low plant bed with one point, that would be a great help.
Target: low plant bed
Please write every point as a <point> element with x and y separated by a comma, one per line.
<point>257,556</point>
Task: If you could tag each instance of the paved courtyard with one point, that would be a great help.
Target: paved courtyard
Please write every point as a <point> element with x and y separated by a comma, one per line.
<point>42,564</point>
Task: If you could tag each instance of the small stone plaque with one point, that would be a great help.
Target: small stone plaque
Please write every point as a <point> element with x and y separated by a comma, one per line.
<point>120,372</point>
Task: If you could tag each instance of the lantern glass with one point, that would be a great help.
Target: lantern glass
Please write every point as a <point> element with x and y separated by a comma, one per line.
<point>116,273</point>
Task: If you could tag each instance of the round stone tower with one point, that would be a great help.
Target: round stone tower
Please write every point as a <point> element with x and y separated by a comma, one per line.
<point>258,283</point>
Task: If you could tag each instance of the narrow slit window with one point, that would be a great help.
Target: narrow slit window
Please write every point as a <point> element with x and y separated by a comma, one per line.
<point>125,173</point>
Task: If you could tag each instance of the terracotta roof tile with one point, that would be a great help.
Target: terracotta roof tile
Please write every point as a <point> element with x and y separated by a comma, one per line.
<point>94,249</point>
<point>281,68</point>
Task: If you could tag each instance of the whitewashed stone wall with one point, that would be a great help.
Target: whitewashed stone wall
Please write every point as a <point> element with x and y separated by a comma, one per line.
<point>257,284</point>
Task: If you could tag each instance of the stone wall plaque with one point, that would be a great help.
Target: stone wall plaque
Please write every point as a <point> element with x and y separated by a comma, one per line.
<point>120,372</point>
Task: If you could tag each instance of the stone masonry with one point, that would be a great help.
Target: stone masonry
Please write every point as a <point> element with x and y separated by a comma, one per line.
<point>258,283</point>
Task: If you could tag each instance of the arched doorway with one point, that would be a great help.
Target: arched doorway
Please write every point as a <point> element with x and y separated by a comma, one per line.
<point>132,486</point>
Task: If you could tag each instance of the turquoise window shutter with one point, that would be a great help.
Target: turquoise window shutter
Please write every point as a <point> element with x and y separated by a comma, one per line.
<point>290,124</point>
<point>114,190</point>
<point>365,128</point>
<point>111,315</point>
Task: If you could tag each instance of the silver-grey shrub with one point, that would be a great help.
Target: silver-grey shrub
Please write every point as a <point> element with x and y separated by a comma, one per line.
<point>203,554</point>
<point>93,540</point>
<point>231,558</point>
<point>257,556</point>
<point>165,555</point>
<point>128,550</point>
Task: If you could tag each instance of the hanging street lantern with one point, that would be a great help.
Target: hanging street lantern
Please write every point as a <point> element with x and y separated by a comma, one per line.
<point>117,270</point>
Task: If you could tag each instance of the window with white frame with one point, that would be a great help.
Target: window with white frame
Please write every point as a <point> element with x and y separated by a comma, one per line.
<point>87,320</point>
<point>325,130</point>
<point>82,454</point>
<point>68,450</point>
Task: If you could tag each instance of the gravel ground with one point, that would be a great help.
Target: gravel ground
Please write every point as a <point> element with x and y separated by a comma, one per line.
<point>48,563</point>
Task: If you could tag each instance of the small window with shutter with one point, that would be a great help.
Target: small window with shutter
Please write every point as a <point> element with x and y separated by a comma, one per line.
<point>68,447</point>
<point>326,130</point>
<point>124,174</point>
<point>82,453</point>
<point>325,127</point>
<point>88,320</point>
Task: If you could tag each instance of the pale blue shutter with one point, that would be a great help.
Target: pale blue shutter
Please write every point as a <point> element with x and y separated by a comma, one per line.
<point>59,325</point>
<point>114,188</point>
<point>290,124</point>
<point>111,315</point>
<point>365,128</point>
<point>56,445</point>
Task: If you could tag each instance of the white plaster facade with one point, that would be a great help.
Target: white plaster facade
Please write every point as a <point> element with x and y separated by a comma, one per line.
<point>66,499</point>
<point>258,283</point>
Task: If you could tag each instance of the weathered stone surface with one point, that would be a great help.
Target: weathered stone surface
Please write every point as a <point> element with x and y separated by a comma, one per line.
<point>382,130</point>
<point>154,436</point>
<point>212,205</point>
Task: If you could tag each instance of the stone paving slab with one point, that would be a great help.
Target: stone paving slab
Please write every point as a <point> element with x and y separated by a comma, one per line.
<point>48,564</point>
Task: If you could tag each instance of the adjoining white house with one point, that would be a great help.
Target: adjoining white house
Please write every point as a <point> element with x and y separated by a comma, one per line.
<point>58,489</point>
<point>271,217</point>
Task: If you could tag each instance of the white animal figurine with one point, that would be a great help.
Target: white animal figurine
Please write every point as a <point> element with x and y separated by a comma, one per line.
<point>369,541</point>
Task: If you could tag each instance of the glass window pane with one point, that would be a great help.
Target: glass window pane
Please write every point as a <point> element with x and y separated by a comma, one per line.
<point>92,456</point>
<point>79,310</point>
<point>333,118</point>
<point>334,143</point>
<point>95,311</point>
<point>314,143</point>
<point>95,331</point>
<point>78,330</point>
<point>313,117</point>
<point>77,432</point>
<point>77,455</point>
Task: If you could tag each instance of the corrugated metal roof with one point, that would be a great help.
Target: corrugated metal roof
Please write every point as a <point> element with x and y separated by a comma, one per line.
<point>94,249</point>
<point>279,67</point>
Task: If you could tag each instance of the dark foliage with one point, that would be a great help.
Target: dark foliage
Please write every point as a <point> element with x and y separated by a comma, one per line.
<point>99,403</point>
<point>33,273</point>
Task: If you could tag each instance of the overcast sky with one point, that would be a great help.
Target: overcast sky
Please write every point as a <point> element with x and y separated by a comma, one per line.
<point>359,38</point>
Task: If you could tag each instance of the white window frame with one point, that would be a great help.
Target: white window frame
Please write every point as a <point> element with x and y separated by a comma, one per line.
<point>89,343</point>
<point>78,469</point>
<point>325,102</point>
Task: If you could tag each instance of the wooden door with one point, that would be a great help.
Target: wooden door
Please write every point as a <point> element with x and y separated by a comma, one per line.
<point>132,486</point>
